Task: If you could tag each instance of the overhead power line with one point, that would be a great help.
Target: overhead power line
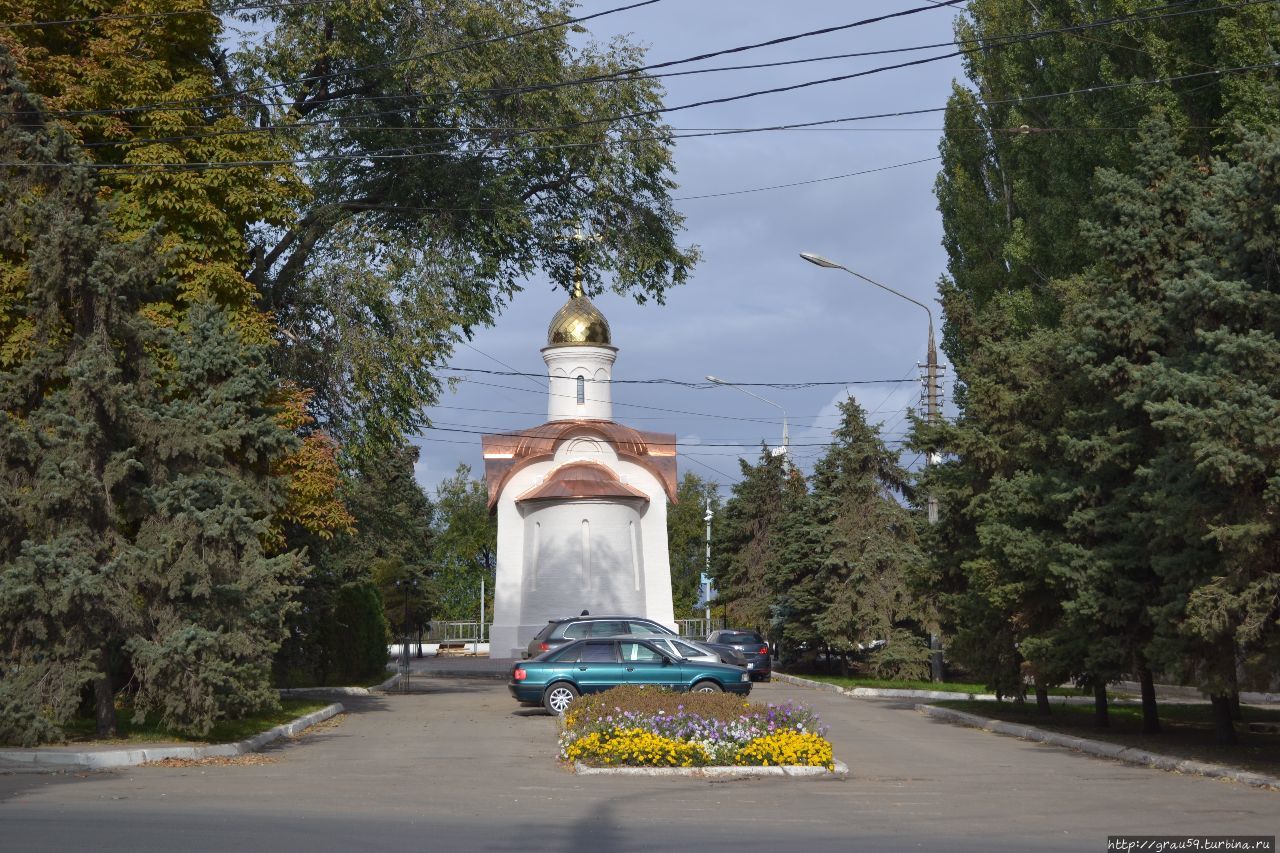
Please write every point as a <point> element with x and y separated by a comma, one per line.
<point>1089,90</point>
<point>973,45</point>
<point>177,13</point>
<point>697,384</point>
<point>315,78</point>
<point>651,443</point>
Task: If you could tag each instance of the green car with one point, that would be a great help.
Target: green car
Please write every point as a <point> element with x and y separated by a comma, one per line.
<point>556,678</point>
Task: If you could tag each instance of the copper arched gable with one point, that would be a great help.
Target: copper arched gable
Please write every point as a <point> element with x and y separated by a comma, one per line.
<point>507,453</point>
<point>579,480</point>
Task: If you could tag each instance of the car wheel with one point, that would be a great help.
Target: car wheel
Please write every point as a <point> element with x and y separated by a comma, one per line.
<point>706,687</point>
<point>557,697</point>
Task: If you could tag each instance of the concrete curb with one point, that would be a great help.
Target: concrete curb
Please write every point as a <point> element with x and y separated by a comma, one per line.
<point>894,693</point>
<point>108,758</point>
<point>1127,754</point>
<point>841,771</point>
<point>884,692</point>
<point>341,691</point>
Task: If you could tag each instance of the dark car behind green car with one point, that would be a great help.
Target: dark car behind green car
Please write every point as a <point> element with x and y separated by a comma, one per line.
<point>556,678</point>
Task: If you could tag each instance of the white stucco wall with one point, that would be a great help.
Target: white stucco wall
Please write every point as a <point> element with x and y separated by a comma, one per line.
<point>551,564</point>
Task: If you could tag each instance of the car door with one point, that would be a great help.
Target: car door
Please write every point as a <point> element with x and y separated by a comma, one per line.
<point>597,667</point>
<point>644,664</point>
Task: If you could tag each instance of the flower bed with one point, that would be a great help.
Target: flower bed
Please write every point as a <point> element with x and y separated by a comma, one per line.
<point>647,727</point>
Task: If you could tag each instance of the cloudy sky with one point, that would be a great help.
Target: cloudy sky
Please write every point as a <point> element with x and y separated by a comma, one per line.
<point>753,311</point>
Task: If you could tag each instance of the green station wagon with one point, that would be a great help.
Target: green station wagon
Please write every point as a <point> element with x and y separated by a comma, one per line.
<point>556,678</point>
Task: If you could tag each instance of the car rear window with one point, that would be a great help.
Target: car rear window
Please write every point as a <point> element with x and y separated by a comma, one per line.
<point>545,632</point>
<point>739,638</point>
<point>644,629</point>
<point>575,630</point>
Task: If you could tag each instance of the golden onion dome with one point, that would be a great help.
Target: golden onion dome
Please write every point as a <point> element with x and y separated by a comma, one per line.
<point>578,323</point>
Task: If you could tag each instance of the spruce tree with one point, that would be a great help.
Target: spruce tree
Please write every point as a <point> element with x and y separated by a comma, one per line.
<point>747,541</point>
<point>68,466</point>
<point>866,549</point>
<point>215,600</point>
<point>136,468</point>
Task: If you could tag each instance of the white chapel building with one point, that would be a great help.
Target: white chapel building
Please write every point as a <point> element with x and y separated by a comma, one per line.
<point>581,500</point>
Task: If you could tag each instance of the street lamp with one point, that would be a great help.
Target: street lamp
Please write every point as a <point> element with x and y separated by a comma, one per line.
<point>932,386</point>
<point>932,413</point>
<point>781,451</point>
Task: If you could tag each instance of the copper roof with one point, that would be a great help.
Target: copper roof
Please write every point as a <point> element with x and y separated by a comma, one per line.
<point>507,453</point>
<point>582,479</point>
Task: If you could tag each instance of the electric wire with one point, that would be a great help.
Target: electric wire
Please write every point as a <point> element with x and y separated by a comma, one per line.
<point>1089,90</point>
<point>314,78</point>
<point>979,44</point>
<point>781,386</point>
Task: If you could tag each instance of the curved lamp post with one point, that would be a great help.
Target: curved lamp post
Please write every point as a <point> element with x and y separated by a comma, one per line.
<point>780,451</point>
<point>932,412</point>
<point>932,405</point>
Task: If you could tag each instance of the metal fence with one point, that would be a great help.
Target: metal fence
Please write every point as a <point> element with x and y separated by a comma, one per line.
<point>698,629</point>
<point>456,632</point>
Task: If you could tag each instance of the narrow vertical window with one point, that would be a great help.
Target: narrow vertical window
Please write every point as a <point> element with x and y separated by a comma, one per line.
<point>537,556</point>
<point>582,390</point>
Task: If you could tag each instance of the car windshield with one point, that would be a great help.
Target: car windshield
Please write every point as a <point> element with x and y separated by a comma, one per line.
<point>740,638</point>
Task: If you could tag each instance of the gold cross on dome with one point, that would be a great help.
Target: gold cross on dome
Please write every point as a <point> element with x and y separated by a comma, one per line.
<point>581,238</point>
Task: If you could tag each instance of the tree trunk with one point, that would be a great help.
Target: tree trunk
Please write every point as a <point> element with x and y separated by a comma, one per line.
<point>1236,713</point>
<point>104,698</point>
<point>1150,713</point>
<point>1223,728</point>
<point>1042,698</point>
<point>1101,716</point>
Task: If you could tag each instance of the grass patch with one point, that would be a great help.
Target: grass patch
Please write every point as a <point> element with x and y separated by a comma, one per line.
<point>82,730</point>
<point>943,687</point>
<point>1187,730</point>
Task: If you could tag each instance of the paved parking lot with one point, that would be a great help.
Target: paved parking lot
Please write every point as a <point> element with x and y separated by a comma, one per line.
<point>458,765</point>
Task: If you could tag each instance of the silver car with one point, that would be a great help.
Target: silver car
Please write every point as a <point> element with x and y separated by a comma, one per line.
<point>690,650</point>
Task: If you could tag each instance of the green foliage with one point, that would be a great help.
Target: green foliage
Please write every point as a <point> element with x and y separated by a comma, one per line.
<point>746,542</point>
<point>129,86</point>
<point>395,258</point>
<point>903,657</point>
<point>1179,327</point>
<point>464,548</point>
<point>351,598</point>
<point>214,601</point>
<point>1044,560</point>
<point>135,467</point>
<point>864,541</point>
<point>687,539</point>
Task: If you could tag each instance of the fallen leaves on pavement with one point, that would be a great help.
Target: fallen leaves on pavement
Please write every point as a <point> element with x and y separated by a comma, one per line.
<point>251,759</point>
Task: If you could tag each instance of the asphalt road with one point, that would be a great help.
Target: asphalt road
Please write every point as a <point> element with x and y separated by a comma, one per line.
<point>458,765</point>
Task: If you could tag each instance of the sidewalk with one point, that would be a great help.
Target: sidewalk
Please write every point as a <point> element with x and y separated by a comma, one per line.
<point>450,666</point>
